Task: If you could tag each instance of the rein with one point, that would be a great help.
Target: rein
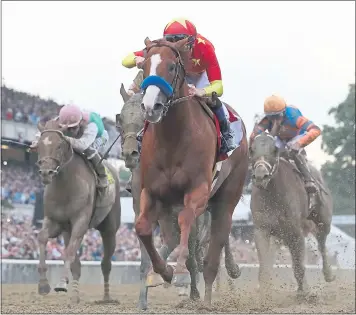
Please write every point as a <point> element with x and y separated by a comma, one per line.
<point>45,158</point>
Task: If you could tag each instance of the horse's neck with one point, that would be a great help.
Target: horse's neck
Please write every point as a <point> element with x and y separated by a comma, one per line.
<point>178,121</point>
<point>67,174</point>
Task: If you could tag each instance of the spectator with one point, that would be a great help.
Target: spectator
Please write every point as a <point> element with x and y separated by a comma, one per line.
<point>19,183</point>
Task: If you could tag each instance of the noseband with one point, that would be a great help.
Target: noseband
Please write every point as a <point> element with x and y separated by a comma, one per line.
<point>58,162</point>
<point>169,89</point>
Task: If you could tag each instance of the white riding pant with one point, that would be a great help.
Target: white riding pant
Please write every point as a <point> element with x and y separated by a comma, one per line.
<point>100,142</point>
<point>200,80</point>
<point>281,144</point>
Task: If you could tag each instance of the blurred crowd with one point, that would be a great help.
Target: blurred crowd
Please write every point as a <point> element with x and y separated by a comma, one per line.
<point>26,108</point>
<point>19,184</point>
<point>19,241</point>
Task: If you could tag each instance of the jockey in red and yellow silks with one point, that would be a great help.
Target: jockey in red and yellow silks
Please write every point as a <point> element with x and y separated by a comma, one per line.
<point>295,131</point>
<point>203,71</point>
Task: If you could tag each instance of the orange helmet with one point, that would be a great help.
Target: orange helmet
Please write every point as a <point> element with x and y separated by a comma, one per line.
<point>178,29</point>
<point>274,105</point>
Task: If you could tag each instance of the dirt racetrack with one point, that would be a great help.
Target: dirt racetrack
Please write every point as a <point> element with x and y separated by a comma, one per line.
<point>335,297</point>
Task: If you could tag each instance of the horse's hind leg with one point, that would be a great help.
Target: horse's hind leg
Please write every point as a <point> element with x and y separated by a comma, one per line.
<point>220,230</point>
<point>50,229</point>
<point>322,232</point>
<point>109,243</point>
<point>144,268</point>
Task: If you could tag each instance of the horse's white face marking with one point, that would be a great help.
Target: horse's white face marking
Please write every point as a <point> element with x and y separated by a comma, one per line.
<point>46,141</point>
<point>152,92</point>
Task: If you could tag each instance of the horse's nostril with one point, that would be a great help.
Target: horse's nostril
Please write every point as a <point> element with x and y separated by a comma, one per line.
<point>158,106</point>
<point>50,172</point>
<point>142,106</point>
<point>134,154</point>
<point>40,171</point>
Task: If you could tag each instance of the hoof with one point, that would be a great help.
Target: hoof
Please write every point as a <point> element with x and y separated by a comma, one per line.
<point>75,299</point>
<point>181,279</point>
<point>307,296</point>
<point>44,288</point>
<point>194,294</point>
<point>329,277</point>
<point>183,291</point>
<point>142,305</point>
<point>234,272</point>
<point>154,279</point>
<point>166,285</point>
<point>62,286</point>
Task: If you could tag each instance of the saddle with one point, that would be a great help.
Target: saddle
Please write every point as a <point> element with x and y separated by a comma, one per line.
<point>104,200</point>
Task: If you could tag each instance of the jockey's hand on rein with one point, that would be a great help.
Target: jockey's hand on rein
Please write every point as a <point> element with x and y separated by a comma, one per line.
<point>294,147</point>
<point>194,91</point>
<point>139,61</point>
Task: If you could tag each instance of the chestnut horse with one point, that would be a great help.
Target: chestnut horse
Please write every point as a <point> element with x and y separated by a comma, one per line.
<point>179,152</point>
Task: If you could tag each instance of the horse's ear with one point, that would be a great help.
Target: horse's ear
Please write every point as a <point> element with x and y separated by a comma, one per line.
<point>63,128</point>
<point>148,42</point>
<point>41,126</point>
<point>124,94</point>
<point>182,44</point>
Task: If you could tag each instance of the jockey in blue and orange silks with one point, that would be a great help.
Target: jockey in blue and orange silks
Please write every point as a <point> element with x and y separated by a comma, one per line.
<point>203,71</point>
<point>294,132</point>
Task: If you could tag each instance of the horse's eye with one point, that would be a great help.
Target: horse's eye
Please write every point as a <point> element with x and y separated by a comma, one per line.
<point>171,67</point>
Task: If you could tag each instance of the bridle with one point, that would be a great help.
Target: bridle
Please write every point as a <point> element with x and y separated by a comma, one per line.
<point>171,86</point>
<point>60,164</point>
<point>261,162</point>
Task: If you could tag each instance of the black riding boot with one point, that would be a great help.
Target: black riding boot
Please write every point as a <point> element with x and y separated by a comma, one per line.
<point>310,185</point>
<point>95,158</point>
<point>227,134</point>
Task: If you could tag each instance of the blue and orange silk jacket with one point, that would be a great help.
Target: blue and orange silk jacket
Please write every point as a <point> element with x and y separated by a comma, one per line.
<point>293,124</point>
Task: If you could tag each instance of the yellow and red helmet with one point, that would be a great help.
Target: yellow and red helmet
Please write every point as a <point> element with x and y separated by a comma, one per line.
<point>178,29</point>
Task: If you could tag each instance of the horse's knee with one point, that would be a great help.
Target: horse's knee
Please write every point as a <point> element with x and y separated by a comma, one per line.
<point>143,227</point>
<point>43,236</point>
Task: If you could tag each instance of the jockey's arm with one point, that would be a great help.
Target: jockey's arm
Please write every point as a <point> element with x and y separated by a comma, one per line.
<point>86,140</point>
<point>263,125</point>
<point>129,61</point>
<point>310,130</point>
<point>213,72</point>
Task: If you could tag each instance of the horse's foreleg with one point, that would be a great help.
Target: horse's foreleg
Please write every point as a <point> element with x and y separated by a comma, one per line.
<point>193,266</point>
<point>194,205</point>
<point>296,244</point>
<point>62,286</point>
<point>220,230</point>
<point>148,215</point>
<point>109,243</point>
<point>49,229</point>
<point>79,227</point>
<point>266,260</point>
<point>232,268</point>
<point>144,268</point>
